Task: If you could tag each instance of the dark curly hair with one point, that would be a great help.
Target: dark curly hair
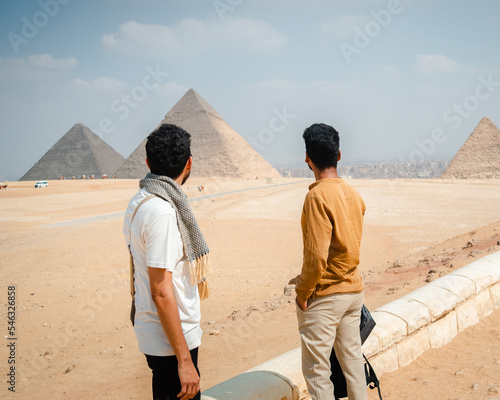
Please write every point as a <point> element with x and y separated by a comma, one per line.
<point>168,149</point>
<point>322,145</point>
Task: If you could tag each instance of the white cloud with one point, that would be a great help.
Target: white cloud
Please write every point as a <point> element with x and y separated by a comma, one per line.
<point>49,62</point>
<point>323,85</point>
<point>133,37</point>
<point>171,90</point>
<point>12,64</point>
<point>391,73</point>
<point>33,67</point>
<point>275,83</point>
<point>343,25</point>
<point>427,88</point>
<point>102,83</point>
<point>430,63</point>
<point>192,36</point>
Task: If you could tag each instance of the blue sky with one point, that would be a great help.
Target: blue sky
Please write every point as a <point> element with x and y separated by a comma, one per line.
<point>399,79</point>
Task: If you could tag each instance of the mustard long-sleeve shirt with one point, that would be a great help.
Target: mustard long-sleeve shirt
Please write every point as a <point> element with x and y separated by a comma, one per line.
<point>332,224</point>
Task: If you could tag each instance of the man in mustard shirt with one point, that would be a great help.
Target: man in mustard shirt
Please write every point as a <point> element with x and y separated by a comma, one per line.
<point>330,288</point>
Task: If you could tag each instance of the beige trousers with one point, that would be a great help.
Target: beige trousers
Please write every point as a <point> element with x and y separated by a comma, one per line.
<point>328,321</point>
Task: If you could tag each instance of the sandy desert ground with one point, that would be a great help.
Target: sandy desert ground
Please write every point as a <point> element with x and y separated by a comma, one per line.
<point>63,249</point>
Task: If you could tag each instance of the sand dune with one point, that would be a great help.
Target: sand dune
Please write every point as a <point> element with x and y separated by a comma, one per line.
<point>75,340</point>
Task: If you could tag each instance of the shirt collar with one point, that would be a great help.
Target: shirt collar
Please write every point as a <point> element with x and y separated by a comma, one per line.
<point>325,181</point>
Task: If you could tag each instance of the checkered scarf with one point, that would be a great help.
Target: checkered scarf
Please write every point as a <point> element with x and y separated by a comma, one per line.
<point>195,247</point>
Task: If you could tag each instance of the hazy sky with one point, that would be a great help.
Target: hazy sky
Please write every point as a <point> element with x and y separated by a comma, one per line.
<point>399,79</point>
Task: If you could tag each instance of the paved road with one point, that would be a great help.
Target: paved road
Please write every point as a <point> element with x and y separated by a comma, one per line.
<point>192,200</point>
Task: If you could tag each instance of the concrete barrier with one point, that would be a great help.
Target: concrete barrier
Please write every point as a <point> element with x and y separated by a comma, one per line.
<point>427,318</point>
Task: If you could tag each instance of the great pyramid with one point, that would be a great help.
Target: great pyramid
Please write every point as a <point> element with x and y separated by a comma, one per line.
<point>79,152</point>
<point>217,149</point>
<point>479,157</point>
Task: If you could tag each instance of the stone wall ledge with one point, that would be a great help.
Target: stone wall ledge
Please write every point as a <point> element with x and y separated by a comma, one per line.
<point>429,317</point>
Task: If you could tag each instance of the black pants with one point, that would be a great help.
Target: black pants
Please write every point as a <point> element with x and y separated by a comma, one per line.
<point>166,383</point>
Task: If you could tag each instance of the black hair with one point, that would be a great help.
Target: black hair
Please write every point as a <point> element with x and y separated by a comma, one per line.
<point>168,149</point>
<point>322,145</point>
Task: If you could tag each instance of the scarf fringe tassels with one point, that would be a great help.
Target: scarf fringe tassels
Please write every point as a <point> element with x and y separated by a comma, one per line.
<point>198,271</point>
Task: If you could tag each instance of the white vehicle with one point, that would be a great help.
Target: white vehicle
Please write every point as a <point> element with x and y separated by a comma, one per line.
<point>41,184</point>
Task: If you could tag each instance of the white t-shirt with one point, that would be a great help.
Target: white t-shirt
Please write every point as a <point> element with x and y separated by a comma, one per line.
<point>156,242</point>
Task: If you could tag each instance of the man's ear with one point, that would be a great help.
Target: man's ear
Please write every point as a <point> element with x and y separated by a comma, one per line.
<point>338,159</point>
<point>307,158</point>
<point>147,163</point>
<point>189,163</point>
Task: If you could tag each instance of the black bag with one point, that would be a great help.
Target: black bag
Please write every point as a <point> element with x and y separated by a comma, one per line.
<point>132,312</point>
<point>366,325</point>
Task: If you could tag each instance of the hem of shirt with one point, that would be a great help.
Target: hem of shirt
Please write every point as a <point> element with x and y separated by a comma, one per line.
<point>169,352</point>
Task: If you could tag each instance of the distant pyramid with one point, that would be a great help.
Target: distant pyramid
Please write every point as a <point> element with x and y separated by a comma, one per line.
<point>217,149</point>
<point>479,157</point>
<point>79,152</point>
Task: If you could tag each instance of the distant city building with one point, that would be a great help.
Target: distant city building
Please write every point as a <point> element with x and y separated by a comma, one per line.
<point>381,170</point>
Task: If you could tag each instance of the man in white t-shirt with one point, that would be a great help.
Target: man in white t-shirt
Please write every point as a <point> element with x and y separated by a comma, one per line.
<point>167,318</point>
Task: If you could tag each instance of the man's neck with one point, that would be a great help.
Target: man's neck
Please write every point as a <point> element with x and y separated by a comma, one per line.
<point>326,173</point>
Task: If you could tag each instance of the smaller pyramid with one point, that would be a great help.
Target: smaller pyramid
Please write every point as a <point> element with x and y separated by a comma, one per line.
<point>79,152</point>
<point>479,157</point>
<point>218,150</point>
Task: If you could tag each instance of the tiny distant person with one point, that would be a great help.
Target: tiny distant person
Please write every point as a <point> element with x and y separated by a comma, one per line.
<point>171,260</point>
<point>330,288</point>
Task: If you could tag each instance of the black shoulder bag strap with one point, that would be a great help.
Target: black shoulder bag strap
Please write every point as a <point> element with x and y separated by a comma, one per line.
<point>371,377</point>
